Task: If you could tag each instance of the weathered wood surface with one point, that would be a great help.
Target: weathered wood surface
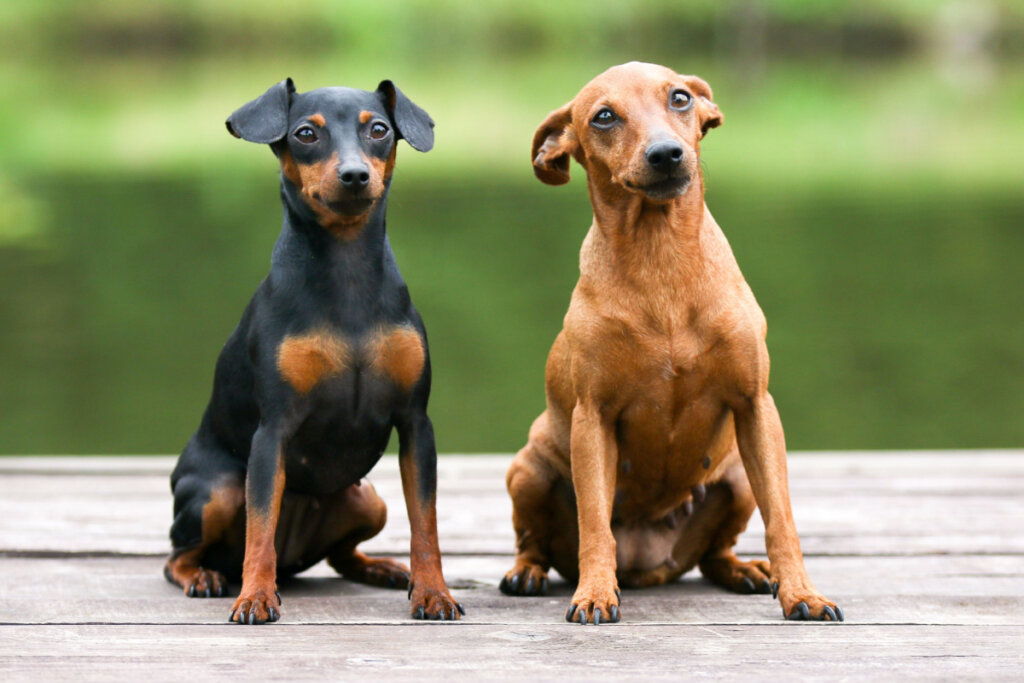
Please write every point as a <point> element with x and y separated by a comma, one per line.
<point>469,652</point>
<point>927,590</point>
<point>924,551</point>
<point>856,503</point>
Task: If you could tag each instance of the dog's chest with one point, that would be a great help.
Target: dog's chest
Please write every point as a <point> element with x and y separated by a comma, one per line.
<point>315,359</point>
<point>675,361</point>
<point>672,418</point>
<point>353,385</point>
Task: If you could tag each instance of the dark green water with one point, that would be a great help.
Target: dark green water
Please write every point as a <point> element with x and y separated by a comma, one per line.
<point>895,317</point>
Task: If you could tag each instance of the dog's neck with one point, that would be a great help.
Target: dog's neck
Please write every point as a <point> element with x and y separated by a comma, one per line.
<point>356,261</point>
<point>642,236</point>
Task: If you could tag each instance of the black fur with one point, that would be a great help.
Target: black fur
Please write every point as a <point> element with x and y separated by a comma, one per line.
<point>330,437</point>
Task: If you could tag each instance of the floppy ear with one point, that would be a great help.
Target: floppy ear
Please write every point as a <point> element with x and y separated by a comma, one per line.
<point>553,145</point>
<point>412,123</point>
<point>265,119</point>
<point>710,116</point>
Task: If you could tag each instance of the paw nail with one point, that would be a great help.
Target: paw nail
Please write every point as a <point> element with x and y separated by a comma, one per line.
<point>698,493</point>
<point>618,594</point>
<point>827,612</point>
<point>775,589</point>
<point>615,614</point>
<point>800,612</point>
<point>208,592</point>
<point>420,613</point>
<point>766,587</point>
<point>192,591</point>
<point>544,586</point>
<point>748,585</point>
<point>839,613</point>
<point>461,610</point>
<point>597,617</point>
<point>570,613</point>
<point>583,616</point>
<point>529,586</point>
<point>279,600</point>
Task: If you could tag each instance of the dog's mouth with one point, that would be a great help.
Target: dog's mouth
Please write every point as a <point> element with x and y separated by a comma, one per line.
<point>356,206</point>
<point>662,190</point>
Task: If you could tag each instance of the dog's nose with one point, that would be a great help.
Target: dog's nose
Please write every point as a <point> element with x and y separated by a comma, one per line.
<point>354,177</point>
<point>665,155</point>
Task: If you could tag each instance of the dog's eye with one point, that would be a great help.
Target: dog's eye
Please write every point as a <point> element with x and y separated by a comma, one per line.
<point>605,118</point>
<point>680,100</point>
<point>305,134</point>
<point>378,131</point>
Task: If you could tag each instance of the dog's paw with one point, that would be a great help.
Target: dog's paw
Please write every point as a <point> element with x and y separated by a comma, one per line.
<point>525,579</point>
<point>386,573</point>
<point>206,583</point>
<point>803,604</point>
<point>595,603</point>
<point>256,606</point>
<point>375,571</point>
<point>434,603</point>
<point>738,576</point>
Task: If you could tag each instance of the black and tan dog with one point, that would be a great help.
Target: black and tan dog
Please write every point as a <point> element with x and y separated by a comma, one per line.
<point>659,433</point>
<point>329,356</point>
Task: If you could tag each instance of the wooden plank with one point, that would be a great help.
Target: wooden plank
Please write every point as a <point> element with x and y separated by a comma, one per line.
<point>566,652</point>
<point>59,510</point>
<point>136,522</point>
<point>866,519</point>
<point>878,464</point>
<point>932,590</point>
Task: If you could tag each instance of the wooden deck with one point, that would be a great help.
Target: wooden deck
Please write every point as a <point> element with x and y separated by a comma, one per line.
<point>924,551</point>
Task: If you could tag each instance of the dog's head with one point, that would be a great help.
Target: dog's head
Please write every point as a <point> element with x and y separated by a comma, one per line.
<point>637,127</point>
<point>336,145</point>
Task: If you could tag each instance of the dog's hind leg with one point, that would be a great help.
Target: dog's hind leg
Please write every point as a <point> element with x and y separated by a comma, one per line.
<point>533,484</point>
<point>356,515</point>
<point>733,496</point>
<point>209,496</point>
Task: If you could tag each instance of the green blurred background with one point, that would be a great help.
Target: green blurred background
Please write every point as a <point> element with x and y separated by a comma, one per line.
<point>869,176</point>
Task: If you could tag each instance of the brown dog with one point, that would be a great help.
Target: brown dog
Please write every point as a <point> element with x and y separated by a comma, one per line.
<point>657,386</point>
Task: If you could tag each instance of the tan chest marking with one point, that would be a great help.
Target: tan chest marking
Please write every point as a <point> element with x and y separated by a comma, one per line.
<point>305,360</point>
<point>398,353</point>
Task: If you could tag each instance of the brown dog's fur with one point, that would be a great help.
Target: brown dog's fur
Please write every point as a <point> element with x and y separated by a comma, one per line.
<point>657,386</point>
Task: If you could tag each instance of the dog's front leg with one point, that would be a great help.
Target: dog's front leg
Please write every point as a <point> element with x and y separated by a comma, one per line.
<point>259,601</point>
<point>763,449</point>
<point>593,455</point>
<point>417,461</point>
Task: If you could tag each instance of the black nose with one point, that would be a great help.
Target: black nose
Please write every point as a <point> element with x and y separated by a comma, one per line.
<point>665,155</point>
<point>354,177</point>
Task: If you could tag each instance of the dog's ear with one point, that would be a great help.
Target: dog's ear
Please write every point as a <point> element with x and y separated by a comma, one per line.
<point>411,123</point>
<point>554,143</point>
<point>707,110</point>
<point>265,119</point>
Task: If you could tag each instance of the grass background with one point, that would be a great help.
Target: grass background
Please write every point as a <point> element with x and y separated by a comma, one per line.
<point>869,177</point>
